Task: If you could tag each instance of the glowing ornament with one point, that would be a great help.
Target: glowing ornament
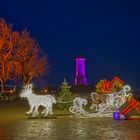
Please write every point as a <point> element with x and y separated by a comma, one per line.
<point>35,101</point>
<point>116,115</point>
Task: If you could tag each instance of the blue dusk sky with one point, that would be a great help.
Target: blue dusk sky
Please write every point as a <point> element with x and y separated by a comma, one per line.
<point>105,32</point>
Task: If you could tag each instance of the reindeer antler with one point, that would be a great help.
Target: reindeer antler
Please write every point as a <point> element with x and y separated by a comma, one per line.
<point>30,86</point>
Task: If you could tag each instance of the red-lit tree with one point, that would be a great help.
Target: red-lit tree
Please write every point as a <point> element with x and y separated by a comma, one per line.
<point>28,59</point>
<point>6,53</point>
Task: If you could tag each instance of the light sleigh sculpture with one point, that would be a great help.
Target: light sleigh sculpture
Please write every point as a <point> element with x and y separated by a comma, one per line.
<point>109,104</point>
<point>35,101</point>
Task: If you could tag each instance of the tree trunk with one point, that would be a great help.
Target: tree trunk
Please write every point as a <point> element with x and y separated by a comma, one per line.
<point>26,81</point>
<point>3,87</point>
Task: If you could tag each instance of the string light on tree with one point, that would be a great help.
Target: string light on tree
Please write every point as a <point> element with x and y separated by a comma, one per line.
<point>65,95</point>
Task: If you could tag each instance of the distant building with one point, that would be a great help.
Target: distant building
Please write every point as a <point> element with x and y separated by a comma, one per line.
<point>80,78</point>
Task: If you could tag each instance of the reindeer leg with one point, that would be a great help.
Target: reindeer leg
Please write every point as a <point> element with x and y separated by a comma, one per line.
<point>46,112</point>
<point>35,113</point>
<point>50,109</point>
<point>43,112</point>
<point>31,110</point>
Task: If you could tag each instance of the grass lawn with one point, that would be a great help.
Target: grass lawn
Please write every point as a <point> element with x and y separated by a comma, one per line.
<point>11,112</point>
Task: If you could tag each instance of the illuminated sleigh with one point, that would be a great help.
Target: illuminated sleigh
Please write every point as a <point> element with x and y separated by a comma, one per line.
<point>104,108</point>
<point>108,103</point>
<point>109,100</point>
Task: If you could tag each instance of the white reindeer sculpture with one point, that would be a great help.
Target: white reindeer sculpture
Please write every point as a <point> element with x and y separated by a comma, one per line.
<point>35,101</point>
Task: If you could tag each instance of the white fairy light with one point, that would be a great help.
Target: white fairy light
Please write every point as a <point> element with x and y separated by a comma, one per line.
<point>78,108</point>
<point>35,101</point>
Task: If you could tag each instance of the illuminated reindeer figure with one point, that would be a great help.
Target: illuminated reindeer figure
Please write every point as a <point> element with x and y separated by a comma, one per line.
<point>35,101</point>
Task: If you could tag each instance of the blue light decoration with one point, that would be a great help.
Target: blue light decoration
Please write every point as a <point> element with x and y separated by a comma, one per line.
<point>116,115</point>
